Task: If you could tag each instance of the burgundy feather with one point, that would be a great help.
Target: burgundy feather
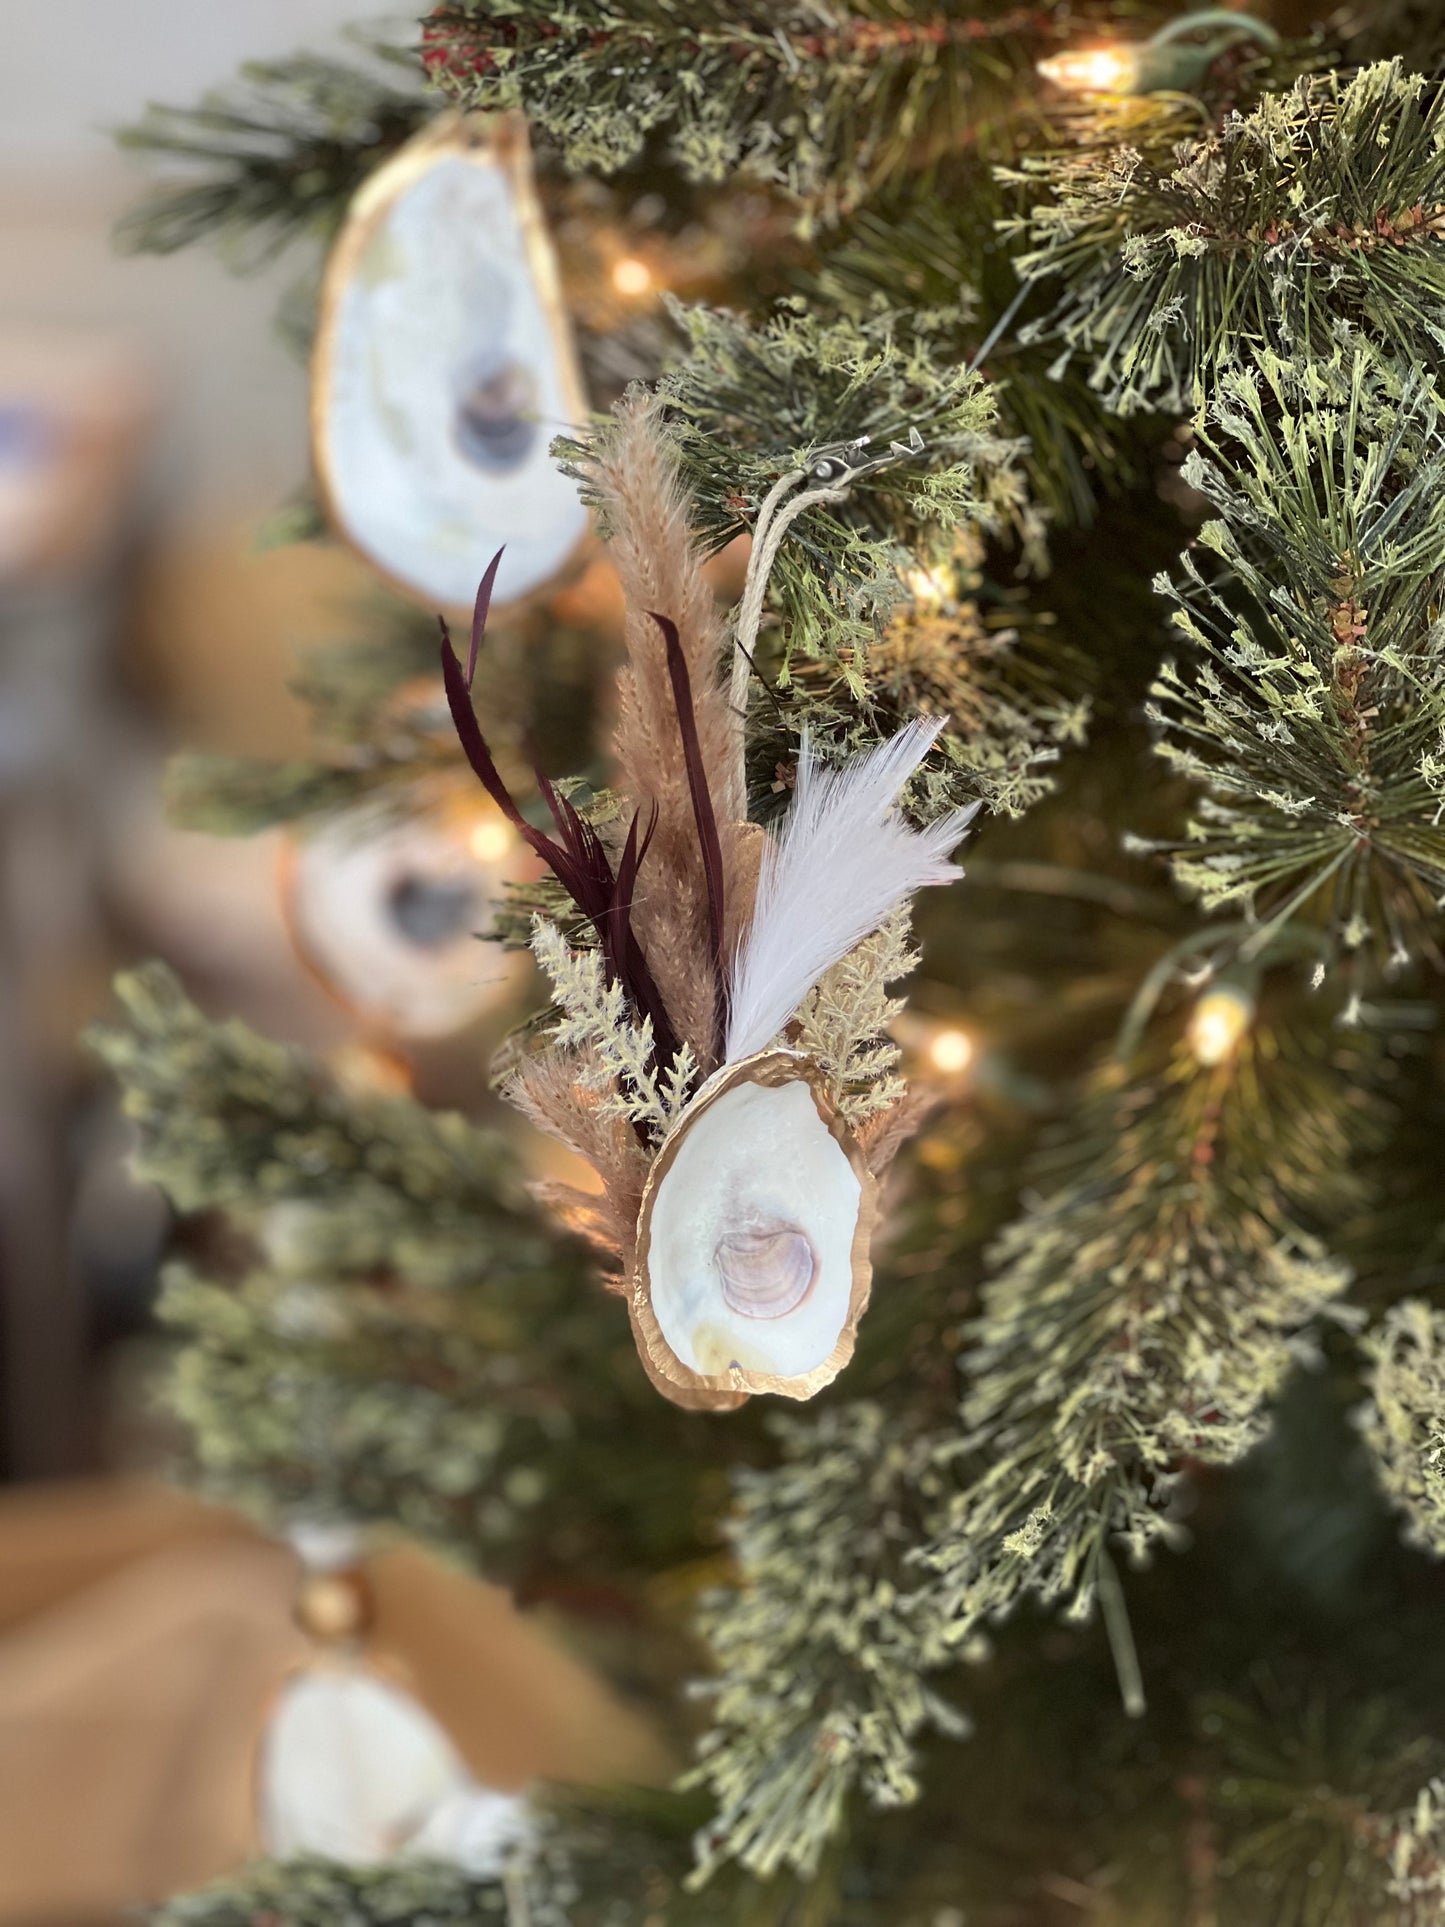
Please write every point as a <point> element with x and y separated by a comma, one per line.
<point>702,812</point>
<point>578,860</point>
<point>480,610</point>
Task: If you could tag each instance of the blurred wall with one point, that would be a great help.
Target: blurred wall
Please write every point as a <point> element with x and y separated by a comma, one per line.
<point>144,618</point>
<point>232,400</point>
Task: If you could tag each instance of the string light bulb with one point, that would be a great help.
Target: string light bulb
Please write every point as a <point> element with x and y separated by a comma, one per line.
<point>930,588</point>
<point>1167,63</point>
<point>631,276</point>
<point>1092,70</point>
<point>950,1051</point>
<point>1219,1023</point>
<point>491,840</point>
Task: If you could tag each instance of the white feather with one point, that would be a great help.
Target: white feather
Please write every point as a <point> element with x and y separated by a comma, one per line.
<point>843,863</point>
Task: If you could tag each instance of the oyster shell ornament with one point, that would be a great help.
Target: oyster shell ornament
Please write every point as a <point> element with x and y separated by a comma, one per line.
<point>385,915</point>
<point>443,368</point>
<point>754,1236</point>
<point>351,1766</point>
<point>736,1099</point>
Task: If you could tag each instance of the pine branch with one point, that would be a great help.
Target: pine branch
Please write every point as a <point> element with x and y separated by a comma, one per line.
<point>1404,1423</point>
<point>820,1650</point>
<point>303,1395</point>
<point>1314,715</point>
<point>1003,684</point>
<point>932,248</point>
<point>1324,206</point>
<point>321,1893</point>
<point>379,1185</point>
<point>595,1019</point>
<point>750,402</point>
<point>821,100</point>
<point>1145,1311</point>
<point>1317,1815</point>
<point>277,155</point>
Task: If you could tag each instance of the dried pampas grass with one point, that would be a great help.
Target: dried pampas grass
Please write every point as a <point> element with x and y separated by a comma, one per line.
<point>633,473</point>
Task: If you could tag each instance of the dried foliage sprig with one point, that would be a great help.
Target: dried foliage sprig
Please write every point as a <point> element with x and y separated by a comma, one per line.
<point>595,1018</point>
<point>843,1022</point>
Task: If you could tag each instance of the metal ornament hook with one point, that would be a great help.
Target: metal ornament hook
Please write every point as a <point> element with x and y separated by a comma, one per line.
<point>840,464</point>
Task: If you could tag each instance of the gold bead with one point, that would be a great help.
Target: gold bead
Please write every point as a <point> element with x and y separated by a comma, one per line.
<point>333,1606</point>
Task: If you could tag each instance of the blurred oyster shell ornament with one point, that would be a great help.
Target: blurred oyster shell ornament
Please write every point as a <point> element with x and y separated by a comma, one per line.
<point>388,916</point>
<point>443,368</point>
<point>752,1266</point>
<point>352,1767</point>
<point>739,1173</point>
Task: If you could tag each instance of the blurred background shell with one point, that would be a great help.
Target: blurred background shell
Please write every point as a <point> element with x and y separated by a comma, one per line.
<point>444,367</point>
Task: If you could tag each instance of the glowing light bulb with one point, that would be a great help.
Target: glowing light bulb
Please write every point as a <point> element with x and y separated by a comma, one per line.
<point>1093,70</point>
<point>930,588</point>
<point>631,276</point>
<point>950,1051</point>
<point>1220,1020</point>
<point>491,840</point>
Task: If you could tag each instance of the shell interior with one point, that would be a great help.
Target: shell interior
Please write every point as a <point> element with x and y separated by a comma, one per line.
<point>350,1768</point>
<point>752,1235</point>
<point>443,371</point>
<point>388,914</point>
<point>355,1770</point>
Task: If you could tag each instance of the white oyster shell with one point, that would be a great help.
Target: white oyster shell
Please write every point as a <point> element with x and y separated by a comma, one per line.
<point>753,1243</point>
<point>355,1770</point>
<point>444,368</point>
<point>389,913</point>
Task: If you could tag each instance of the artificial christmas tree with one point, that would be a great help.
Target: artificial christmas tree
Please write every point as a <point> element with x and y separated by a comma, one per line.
<point>1005,333</point>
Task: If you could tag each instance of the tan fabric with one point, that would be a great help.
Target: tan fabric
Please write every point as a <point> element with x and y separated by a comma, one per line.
<point>144,1637</point>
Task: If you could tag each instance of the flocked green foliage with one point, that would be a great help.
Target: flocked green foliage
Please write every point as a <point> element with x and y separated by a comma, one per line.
<point>822,1646</point>
<point>227,1119</point>
<point>1145,1309</point>
<point>751,402</point>
<point>1314,715</point>
<point>1404,1422</point>
<point>323,1893</point>
<point>274,156</point>
<point>377,1405</point>
<point>1012,697</point>
<point>824,101</point>
<point>1322,206</point>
